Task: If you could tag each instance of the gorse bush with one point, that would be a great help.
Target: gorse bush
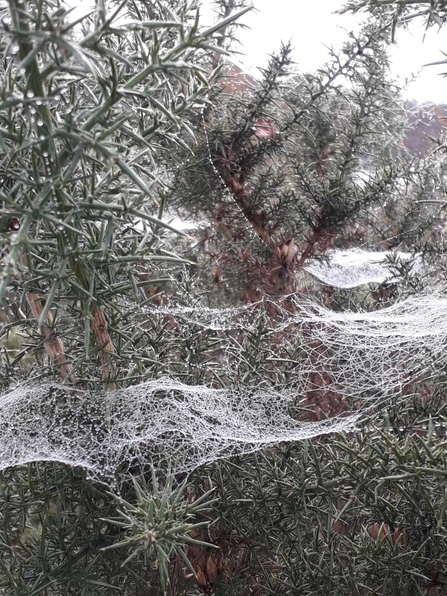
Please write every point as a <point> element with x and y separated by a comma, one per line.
<point>90,111</point>
<point>302,163</point>
<point>149,442</point>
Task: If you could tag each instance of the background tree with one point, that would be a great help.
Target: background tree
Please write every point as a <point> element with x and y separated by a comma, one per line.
<point>299,164</point>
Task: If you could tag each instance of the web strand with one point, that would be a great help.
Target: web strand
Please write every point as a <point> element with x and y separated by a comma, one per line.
<point>369,359</point>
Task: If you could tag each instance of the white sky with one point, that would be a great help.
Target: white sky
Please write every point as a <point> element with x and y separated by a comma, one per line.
<point>311,25</point>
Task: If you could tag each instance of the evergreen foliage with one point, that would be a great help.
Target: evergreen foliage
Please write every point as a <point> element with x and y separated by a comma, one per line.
<point>302,163</point>
<point>108,125</point>
<point>88,117</point>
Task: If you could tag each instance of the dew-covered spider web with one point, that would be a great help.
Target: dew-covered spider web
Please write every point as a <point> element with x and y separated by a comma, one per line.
<point>355,267</point>
<point>357,361</point>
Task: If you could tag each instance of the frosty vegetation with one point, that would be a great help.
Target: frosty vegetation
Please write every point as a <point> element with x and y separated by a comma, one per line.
<point>285,351</point>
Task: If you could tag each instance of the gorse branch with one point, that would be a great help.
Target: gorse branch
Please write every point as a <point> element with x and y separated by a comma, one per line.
<point>86,108</point>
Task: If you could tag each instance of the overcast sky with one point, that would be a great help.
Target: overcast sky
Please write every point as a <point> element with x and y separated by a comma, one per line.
<point>311,25</point>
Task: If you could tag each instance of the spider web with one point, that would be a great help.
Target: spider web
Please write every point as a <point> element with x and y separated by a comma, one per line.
<point>356,267</point>
<point>363,359</point>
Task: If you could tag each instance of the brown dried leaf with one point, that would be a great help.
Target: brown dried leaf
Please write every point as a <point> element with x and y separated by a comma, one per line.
<point>379,531</point>
<point>211,568</point>
<point>200,577</point>
<point>264,129</point>
<point>400,536</point>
